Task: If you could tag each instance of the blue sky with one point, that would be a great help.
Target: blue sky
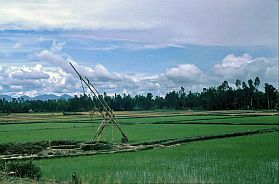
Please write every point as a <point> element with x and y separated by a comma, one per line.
<point>135,46</point>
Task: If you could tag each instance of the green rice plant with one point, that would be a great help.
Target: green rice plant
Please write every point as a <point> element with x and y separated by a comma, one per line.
<point>250,159</point>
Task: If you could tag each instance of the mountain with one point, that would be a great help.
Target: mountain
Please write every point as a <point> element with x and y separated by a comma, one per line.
<point>51,97</point>
<point>6,97</point>
<point>46,97</point>
<point>25,97</point>
<point>66,97</point>
<point>43,97</point>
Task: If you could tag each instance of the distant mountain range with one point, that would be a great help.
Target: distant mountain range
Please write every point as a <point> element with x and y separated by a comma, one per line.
<point>43,97</point>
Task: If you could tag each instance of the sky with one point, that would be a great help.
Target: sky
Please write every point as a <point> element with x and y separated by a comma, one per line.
<point>135,46</point>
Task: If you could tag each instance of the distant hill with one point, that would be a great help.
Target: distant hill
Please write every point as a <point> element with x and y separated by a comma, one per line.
<point>25,97</point>
<point>6,97</point>
<point>46,97</point>
<point>43,97</point>
<point>66,96</point>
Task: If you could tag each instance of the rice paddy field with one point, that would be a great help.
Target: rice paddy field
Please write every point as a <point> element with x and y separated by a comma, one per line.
<point>243,159</point>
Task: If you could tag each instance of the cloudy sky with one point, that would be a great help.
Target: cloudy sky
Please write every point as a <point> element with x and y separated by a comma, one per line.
<point>135,46</point>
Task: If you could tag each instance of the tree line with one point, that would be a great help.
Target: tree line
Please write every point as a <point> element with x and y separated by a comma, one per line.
<point>223,97</point>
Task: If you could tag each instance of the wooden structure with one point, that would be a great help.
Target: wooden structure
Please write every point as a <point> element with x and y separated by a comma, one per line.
<point>108,117</point>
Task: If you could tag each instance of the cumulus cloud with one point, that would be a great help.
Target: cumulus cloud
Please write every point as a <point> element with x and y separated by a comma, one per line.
<point>21,79</point>
<point>55,57</point>
<point>234,61</point>
<point>29,75</point>
<point>232,67</point>
<point>60,78</point>
<point>245,67</point>
<point>185,73</point>
<point>35,80</point>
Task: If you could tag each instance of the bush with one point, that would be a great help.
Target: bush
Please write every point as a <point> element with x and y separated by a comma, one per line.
<point>75,179</point>
<point>23,148</point>
<point>24,169</point>
<point>32,147</point>
<point>2,165</point>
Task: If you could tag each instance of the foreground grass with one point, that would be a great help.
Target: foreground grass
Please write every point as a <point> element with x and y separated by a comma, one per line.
<point>250,159</point>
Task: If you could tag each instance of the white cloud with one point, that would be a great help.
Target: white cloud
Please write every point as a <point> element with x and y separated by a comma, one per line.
<point>17,45</point>
<point>56,75</point>
<point>57,58</point>
<point>245,67</point>
<point>234,61</point>
<point>184,72</point>
<point>231,68</point>
<point>18,79</point>
<point>49,56</point>
<point>29,75</point>
<point>210,22</point>
<point>57,46</point>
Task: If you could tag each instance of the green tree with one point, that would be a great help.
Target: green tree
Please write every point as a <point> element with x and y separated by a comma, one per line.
<point>270,93</point>
<point>251,91</point>
<point>237,83</point>
<point>257,84</point>
<point>238,93</point>
<point>244,94</point>
<point>149,101</point>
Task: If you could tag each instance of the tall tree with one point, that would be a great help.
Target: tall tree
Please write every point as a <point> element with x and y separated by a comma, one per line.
<point>238,92</point>
<point>182,98</point>
<point>251,92</point>
<point>245,93</point>
<point>270,92</point>
<point>237,83</point>
<point>257,84</point>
